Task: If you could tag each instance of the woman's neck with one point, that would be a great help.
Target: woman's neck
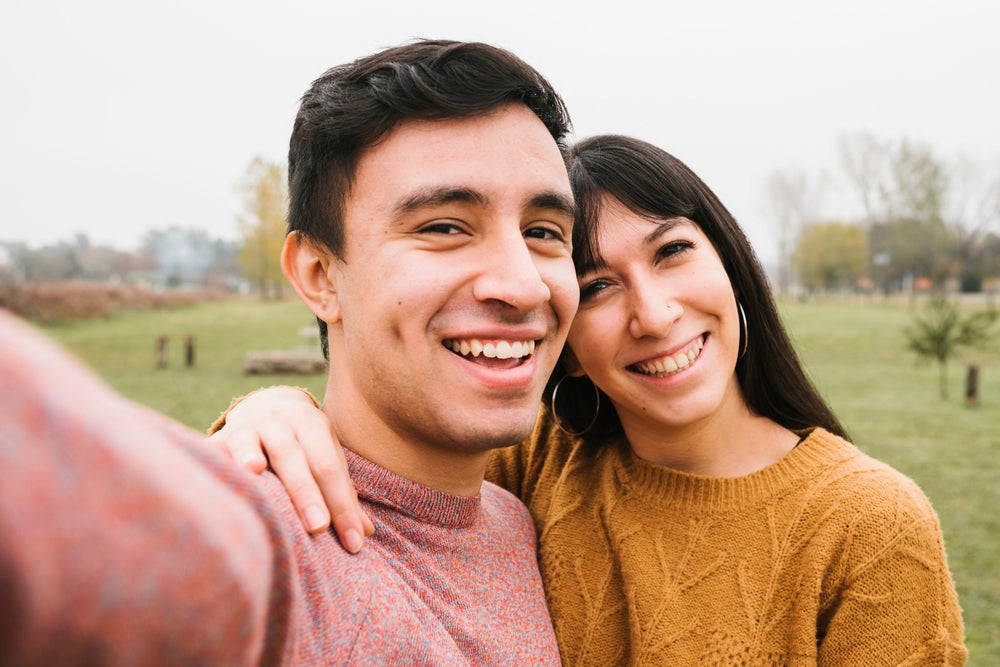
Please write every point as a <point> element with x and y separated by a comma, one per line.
<point>730,443</point>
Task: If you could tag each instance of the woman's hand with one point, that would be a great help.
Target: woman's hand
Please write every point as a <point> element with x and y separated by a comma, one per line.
<point>303,451</point>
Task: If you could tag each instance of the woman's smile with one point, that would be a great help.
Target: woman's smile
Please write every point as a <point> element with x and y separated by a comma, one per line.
<point>671,364</point>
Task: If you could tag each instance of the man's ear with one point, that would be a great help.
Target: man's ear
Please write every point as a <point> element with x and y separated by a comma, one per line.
<point>313,273</point>
<point>571,364</point>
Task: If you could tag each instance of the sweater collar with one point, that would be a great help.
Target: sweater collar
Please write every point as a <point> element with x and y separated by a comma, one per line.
<point>378,485</point>
<point>819,451</point>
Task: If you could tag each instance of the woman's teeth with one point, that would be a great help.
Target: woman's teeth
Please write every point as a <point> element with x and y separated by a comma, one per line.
<point>670,364</point>
<point>500,349</point>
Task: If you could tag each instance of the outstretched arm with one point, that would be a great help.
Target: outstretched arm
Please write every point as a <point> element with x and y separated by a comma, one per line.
<point>284,426</point>
<point>122,541</point>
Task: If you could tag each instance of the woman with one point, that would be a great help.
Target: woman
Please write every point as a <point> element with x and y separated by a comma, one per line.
<point>695,498</point>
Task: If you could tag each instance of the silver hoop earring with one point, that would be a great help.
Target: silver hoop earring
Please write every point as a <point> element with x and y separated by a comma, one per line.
<point>555,414</point>
<point>744,330</point>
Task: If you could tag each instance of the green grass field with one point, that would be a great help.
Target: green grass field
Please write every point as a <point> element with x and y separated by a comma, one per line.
<point>122,349</point>
<point>854,351</point>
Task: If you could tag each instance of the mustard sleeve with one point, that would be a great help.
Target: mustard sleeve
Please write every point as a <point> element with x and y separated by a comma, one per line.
<point>220,421</point>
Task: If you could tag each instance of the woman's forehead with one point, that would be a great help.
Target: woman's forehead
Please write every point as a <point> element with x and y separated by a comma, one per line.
<point>619,225</point>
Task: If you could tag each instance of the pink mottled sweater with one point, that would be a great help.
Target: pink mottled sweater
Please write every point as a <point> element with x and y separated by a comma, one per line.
<point>124,542</point>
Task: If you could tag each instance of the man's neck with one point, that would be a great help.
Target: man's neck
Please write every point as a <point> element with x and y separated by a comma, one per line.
<point>452,471</point>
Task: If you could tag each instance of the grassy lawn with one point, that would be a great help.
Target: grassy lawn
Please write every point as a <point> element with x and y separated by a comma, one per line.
<point>122,349</point>
<point>887,399</point>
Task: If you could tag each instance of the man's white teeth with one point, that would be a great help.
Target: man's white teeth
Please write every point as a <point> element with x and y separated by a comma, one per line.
<point>501,349</point>
<point>672,363</point>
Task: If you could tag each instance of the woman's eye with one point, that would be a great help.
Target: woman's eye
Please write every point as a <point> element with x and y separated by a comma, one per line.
<point>673,248</point>
<point>592,288</point>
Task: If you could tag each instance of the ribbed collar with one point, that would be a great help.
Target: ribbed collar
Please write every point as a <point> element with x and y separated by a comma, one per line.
<point>378,485</point>
<point>664,486</point>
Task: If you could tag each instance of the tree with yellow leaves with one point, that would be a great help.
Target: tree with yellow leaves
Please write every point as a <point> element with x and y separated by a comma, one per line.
<point>262,225</point>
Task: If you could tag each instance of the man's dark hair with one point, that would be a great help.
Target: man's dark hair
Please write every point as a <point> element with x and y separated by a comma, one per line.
<point>353,106</point>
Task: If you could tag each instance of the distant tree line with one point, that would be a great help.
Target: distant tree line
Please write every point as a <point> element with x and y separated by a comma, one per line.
<point>924,223</point>
<point>175,257</point>
<point>167,258</point>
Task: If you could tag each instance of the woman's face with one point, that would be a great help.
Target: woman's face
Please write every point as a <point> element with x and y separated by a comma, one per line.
<point>658,328</point>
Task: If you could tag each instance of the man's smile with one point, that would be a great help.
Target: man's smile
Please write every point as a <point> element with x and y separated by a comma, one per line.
<point>492,349</point>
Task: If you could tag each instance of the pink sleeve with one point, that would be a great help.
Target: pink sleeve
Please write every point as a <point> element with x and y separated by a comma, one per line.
<point>121,540</point>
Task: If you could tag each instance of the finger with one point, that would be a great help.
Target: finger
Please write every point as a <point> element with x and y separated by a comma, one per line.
<point>242,446</point>
<point>329,466</point>
<point>288,460</point>
<point>330,470</point>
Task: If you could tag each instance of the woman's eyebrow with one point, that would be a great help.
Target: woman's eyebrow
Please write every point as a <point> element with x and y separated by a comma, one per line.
<point>663,227</point>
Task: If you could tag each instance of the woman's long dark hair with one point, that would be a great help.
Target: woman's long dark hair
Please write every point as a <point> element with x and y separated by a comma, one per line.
<point>653,184</point>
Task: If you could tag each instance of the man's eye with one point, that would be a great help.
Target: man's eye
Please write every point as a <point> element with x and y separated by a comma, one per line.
<point>441,228</point>
<point>544,233</point>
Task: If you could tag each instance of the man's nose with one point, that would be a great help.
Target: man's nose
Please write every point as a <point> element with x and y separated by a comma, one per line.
<point>509,274</point>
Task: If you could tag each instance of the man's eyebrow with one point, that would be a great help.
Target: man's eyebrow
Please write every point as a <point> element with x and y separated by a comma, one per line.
<point>553,200</point>
<point>437,197</point>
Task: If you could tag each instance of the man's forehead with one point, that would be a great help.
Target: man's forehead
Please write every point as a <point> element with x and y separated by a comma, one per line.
<point>453,133</point>
<point>508,152</point>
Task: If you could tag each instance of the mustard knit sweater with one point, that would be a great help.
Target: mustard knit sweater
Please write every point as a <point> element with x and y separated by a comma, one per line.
<point>826,557</point>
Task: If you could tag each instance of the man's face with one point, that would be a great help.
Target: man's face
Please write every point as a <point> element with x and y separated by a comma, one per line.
<point>457,287</point>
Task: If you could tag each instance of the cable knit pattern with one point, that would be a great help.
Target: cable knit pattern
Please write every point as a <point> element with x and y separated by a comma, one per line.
<point>826,557</point>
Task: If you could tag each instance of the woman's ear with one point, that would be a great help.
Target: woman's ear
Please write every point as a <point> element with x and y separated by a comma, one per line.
<point>571,364</point>
<point>312,272</point>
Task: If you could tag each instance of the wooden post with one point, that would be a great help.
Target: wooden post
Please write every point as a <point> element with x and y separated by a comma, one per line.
<point>972,385</point>
<point>161,351</point>
<point>189,350</point>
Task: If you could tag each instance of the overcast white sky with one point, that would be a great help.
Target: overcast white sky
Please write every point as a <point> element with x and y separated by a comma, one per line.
<point>121,116</point>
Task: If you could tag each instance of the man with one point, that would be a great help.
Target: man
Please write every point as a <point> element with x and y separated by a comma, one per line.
<point>430,220</point>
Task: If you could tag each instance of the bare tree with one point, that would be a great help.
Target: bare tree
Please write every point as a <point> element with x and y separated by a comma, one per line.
<point>794,199</point>
<point>972,207</point>
<point>895,179</point>
<point>904,189</point>
<point>864,160</point>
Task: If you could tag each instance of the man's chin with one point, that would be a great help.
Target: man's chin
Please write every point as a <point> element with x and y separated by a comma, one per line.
<point>492,435</point>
